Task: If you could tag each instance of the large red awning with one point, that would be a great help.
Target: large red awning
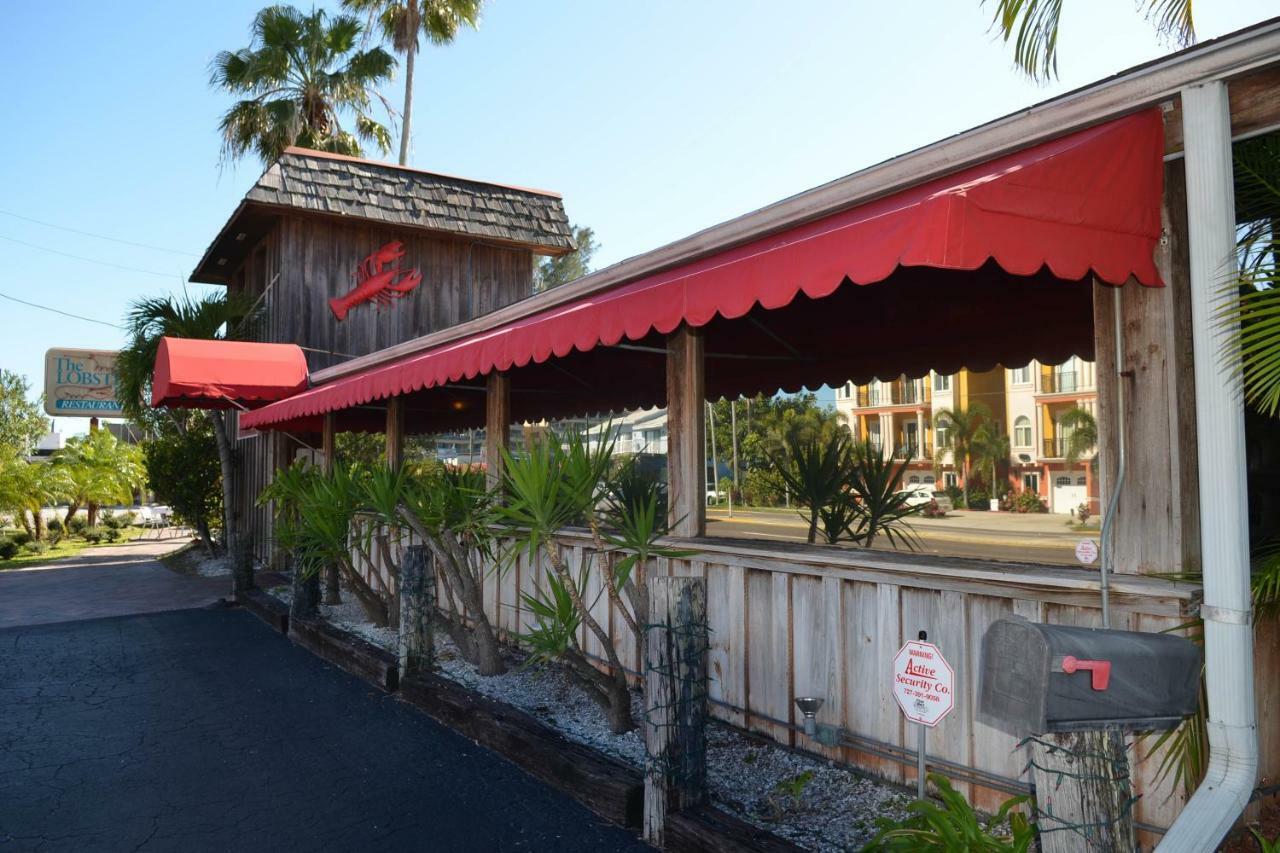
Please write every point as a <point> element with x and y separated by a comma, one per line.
<point>1086,204</point>
<point>192,373</point>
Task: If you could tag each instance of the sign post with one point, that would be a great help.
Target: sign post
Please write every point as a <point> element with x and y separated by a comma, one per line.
<point>924,688</point>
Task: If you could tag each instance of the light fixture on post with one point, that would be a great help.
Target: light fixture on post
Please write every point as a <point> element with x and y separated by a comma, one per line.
<point>809,706</point>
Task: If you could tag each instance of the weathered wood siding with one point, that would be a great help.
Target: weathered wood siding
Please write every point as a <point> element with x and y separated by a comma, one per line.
<point>797,621</point>
<point>306,260</point>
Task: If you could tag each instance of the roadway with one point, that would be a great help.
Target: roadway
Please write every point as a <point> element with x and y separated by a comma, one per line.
<point>1000,536</point>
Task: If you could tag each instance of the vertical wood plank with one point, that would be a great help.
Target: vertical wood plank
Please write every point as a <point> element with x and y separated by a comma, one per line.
<point>991,749</point>
<point>686,428</point>
<point>872,633</point>
<point>726,661</point>
<point>817,661</point>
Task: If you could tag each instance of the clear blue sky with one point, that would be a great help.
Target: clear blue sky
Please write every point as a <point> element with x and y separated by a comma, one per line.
<point>653,119</point>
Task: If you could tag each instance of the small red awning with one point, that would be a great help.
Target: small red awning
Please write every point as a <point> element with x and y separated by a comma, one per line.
<point>202,374</point>
<point>1086,204</point>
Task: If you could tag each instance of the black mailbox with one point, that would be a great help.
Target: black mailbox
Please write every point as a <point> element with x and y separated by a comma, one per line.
<point>1038,678</point>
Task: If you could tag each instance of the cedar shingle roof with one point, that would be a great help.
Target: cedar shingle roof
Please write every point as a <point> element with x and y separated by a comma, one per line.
<point>332,184</point>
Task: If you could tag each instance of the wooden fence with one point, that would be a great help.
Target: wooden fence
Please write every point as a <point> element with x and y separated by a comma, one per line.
<point>794,620</point>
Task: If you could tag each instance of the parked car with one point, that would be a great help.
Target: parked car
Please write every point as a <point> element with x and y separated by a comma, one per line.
<point>714,496</point>
<point>920,495</point>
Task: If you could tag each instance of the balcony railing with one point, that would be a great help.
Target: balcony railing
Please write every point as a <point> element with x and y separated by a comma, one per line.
<point>1055,447</point>
<point>906,450</point>
<point>1060,382</point>
<point>898,393</point>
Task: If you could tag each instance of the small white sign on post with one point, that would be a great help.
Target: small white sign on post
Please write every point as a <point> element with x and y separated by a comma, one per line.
<point>923,683</point>
<point>1086,551</point>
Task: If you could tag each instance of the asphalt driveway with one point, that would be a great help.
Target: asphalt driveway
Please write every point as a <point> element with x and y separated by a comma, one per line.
<point>202,730</point>
<point>110,581</point>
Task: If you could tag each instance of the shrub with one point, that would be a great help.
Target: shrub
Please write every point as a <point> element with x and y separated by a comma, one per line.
<point>20,537</point>
<point>8,549</point>
<point>127,519</point>
<point>55,531</point>
<point>77,525</point>
<point>1083,513</point>
<point>956,494</point>
<point>94,535</point>
<point>1027,501</point>
<point>762,487</point>
<point>979,499</point>
<point>36,547</point>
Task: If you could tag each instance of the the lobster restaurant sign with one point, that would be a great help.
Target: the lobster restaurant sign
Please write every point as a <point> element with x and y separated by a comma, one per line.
<point>81,383</point>
<point>379,279</point>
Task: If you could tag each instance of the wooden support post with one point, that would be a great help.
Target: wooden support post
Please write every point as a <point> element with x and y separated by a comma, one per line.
<point>686,430</point>
<point>395,432</point>
<point>417,604</point>
<point>497,425</point>
<point>328,447</point>
<point>327,444</point>
<point>1084,796</point>
<point>1157,522</point>
<point>675,699</point>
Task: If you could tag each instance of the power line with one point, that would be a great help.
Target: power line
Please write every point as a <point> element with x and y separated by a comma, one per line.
<point>90,260</point>
<point>98,236</point>
<point>60,311</point>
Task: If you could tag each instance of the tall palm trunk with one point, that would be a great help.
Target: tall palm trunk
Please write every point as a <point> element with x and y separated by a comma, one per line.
<point>408,104</point>
<point>230,525</point>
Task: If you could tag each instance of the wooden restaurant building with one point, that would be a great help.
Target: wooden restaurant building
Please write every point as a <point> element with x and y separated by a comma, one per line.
<point>1108,209</point>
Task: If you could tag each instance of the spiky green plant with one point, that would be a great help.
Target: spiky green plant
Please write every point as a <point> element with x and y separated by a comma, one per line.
<point>952,825</point>
<point>454,513</point>
<point>875,488</point>
<point>815,470</point>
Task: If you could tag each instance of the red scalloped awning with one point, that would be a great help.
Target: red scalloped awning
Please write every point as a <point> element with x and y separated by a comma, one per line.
<point>201,374</point>
<point>1086,204</point>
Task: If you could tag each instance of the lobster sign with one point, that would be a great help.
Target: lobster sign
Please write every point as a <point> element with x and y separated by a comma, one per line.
<point>379,279</point>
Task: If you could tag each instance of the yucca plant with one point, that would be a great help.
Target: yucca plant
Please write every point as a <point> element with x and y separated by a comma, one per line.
<point>880,505</point>
<point>313,513</point>
<point>815,470</point>
<point>454,514</point>
<point>952,825</point>
<point>564,481</point>
<point>548,488</point>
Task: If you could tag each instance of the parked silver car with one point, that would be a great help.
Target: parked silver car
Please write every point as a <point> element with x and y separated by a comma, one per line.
<point>918,495</point>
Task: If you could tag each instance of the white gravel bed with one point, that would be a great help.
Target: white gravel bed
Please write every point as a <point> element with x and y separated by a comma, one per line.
<point>816,803</point>
<point>213,567</point>
<point>349,616</point>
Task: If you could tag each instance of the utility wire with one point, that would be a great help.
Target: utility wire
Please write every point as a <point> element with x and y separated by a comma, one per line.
<point>167,275</point>
<point>97,236</point>
<point>59,311</point>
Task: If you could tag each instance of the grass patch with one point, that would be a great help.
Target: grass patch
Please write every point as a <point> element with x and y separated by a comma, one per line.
<point>68,547</point>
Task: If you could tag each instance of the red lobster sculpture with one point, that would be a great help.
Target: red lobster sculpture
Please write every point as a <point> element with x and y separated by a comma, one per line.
<point>378,280</point>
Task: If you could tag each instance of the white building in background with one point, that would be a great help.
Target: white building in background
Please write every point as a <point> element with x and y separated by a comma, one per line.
<point>641,431</point>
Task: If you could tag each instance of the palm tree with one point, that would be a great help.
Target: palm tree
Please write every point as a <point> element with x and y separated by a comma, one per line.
<point>1257,311</point>
<point>991,449</point>
<point>1080,429</point>
<point>98,469</point>
<point>402,22</point>
<point>298,77</point>
<point>209,318</point>
<point>962,433</point>
<point>1036,23</point>
<point>26,488</point>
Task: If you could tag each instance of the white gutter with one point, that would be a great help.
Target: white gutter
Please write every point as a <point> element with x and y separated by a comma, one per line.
<point>1224,526</point>
<point>1132,90</point>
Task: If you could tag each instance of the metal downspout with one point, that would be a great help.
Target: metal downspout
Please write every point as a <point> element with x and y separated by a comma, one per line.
<point>1108,520</point>
<point>1224,535</point>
